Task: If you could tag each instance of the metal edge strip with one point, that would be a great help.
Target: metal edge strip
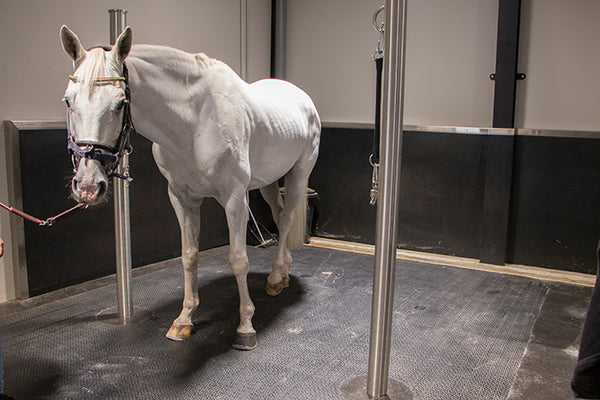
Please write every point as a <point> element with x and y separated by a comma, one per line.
<point>558,133</point>
<point>463,130</point>
<point>38,125</point>
<point>474,130</point>
<point>15,198</point>
<point>429,129</point>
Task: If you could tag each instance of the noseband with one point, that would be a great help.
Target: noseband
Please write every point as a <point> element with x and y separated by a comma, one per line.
<point>107,155</point>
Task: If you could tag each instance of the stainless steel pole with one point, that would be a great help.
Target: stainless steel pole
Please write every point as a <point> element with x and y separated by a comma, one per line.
<point>377,385</point>
<point>279,39</point>
<point>244,39</point>
<point>118,22</point>
<point>388,204</point>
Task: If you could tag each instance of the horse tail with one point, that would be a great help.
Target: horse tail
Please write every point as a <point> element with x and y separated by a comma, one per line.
<point>297,236</point>
<point>297,233</point>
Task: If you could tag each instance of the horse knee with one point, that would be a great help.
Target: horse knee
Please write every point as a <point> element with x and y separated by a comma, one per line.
<point>239,264</point>
<point>189,258</point>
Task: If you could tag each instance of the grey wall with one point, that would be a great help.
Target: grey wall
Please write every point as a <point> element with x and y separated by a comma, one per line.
<point>561,57</point>
<point>450,54</point>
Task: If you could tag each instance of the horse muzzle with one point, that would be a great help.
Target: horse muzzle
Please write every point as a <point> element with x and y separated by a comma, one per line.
<point>89,184</point>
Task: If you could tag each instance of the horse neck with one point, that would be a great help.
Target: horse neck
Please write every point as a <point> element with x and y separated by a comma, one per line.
<point>168,90</point>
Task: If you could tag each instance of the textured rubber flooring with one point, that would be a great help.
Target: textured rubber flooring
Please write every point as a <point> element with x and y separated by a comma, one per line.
<point>457,334</point>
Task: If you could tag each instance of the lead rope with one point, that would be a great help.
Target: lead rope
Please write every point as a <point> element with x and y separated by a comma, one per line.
<point>48,221</point>
<point>374,157</point>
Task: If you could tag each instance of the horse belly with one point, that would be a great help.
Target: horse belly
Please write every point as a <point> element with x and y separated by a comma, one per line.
<point>271,159</point>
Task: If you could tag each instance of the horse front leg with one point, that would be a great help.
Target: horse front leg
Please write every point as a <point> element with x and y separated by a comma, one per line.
<point>189,222</point>
<point>236,209</point>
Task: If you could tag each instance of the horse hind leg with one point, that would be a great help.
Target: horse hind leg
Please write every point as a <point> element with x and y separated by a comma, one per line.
<point>291,216</point>
<point>280,266</point>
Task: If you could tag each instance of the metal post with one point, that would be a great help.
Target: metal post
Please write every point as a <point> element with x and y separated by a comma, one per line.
<point>278,41</point>
<point>387,211</point>
<point>378,385</point>
<point>244,39</point>
<point>124,313</point>
<point>118,22</point>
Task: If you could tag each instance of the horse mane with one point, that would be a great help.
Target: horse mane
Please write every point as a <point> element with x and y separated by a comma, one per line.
<point>205,61</point>
<point>172,59</point>
<point>92,68</point>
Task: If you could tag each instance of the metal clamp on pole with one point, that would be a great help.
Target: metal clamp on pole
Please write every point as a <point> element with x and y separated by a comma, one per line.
<point>377,384</point>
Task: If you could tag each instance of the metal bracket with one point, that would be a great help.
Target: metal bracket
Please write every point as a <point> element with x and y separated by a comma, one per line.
<point>520,76</point>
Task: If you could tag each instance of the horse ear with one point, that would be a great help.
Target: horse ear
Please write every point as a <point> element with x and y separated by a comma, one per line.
<point>71,44</point>
<point>122,47</point>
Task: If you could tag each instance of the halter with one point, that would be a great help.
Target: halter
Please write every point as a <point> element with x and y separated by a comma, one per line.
<point>107,155</point>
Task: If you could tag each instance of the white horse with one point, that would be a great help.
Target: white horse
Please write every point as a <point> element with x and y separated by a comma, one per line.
<point>213,134</point>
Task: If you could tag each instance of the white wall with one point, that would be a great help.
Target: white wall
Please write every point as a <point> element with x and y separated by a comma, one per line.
<point>450,54</point>
<point>34,68</point>
<point>560,53</point>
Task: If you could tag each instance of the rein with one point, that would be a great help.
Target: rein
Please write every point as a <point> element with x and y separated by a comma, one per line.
<point>107,155</point>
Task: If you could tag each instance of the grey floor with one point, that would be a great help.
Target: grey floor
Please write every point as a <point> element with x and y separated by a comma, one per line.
<point>457,334</point>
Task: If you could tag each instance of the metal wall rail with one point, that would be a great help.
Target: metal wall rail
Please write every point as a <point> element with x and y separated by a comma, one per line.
<point>467,130</point>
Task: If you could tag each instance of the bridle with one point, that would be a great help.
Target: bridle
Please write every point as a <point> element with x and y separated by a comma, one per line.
<point>108,156</point>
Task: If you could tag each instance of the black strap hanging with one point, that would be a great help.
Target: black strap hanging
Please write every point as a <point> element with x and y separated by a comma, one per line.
<point>374,158</point>
<point>375,152</point>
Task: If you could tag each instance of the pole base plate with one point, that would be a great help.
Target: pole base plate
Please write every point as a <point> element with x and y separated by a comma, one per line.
<point>355,388</point>
<point>111,316</point>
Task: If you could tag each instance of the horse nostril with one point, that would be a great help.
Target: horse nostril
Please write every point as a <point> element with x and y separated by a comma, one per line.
<point>75,182</point>
<point>103,186</point>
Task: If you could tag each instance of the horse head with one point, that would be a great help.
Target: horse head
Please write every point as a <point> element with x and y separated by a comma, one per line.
<point>97,108</point>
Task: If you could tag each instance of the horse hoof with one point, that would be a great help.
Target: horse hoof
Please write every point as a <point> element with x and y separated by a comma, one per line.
<point>179,332</point>
<point>274,290</point>
<point>286,281</point>
<point>244,341</point>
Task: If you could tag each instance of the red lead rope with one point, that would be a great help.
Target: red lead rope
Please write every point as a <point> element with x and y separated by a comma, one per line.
<point>47,222</point>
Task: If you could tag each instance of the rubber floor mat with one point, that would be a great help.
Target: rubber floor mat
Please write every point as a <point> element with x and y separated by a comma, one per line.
<point>457,334</point>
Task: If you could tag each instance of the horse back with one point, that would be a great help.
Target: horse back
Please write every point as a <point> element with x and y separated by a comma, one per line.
<point>285,130</point>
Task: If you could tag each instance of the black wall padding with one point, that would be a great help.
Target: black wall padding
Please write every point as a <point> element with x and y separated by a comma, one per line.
<point>553,218</point>
<point>82,247</point>
<point>440,198</point>
<point>342,177</point>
